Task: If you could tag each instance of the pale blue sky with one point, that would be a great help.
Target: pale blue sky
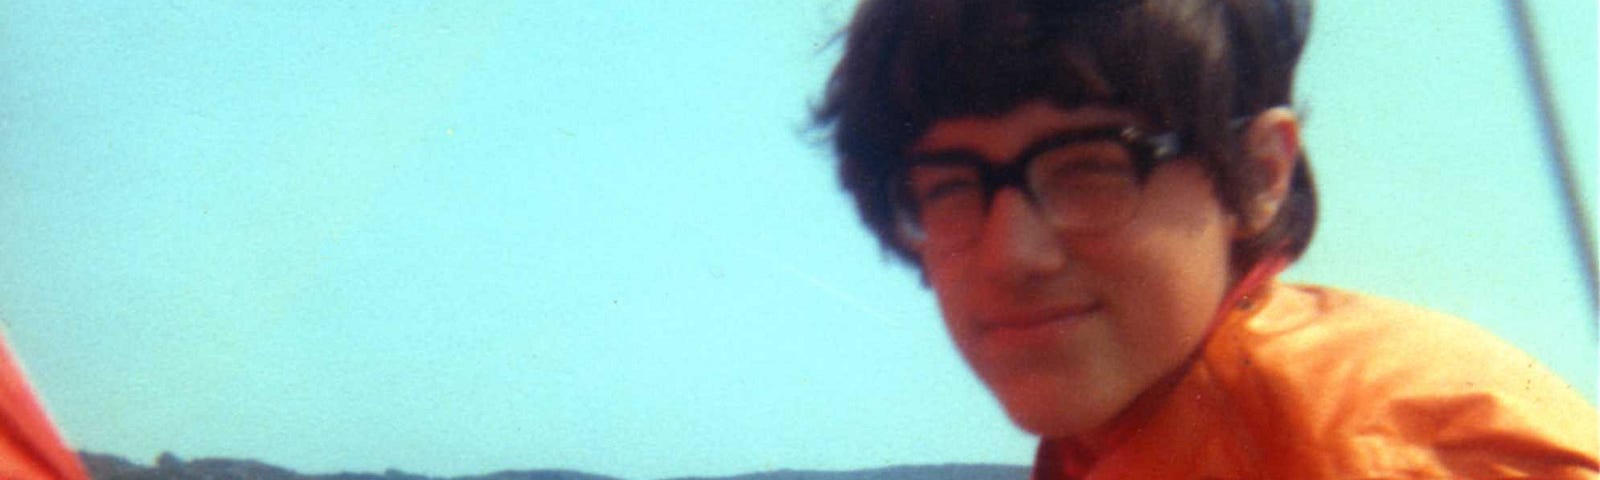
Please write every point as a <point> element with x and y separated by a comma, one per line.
<point>456,238</point>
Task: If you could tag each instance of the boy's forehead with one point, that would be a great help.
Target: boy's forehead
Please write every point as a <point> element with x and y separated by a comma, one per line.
<point>1002,136</point>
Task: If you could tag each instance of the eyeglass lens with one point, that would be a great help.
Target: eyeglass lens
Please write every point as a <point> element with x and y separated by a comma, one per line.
<point>1079,187</point>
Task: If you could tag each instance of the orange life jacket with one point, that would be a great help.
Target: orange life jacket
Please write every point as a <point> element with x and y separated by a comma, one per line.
<point>1304,382</point>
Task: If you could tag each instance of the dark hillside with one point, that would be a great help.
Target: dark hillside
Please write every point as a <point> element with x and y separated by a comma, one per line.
<point>170,467</point>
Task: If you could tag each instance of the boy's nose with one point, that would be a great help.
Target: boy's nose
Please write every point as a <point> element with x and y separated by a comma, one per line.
<point>1018,242</point>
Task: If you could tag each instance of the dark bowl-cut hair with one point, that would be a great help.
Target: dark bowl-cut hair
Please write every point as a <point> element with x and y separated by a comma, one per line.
<point>1191,66</point>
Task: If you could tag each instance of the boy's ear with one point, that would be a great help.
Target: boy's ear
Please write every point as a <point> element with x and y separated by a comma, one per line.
<point>1272,145</point>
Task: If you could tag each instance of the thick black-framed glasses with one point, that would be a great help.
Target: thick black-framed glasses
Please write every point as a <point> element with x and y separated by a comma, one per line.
<point>1082,182</point>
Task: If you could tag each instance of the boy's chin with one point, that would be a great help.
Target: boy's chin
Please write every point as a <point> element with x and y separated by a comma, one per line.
<point>1057,416</point>
<point>1048,427</point>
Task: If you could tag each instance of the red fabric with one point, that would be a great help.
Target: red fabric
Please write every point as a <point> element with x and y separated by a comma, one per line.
<point>30,449</point>
<point>1309,382</point>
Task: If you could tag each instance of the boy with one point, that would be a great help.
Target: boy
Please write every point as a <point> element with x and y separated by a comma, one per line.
<point>1100,194</point>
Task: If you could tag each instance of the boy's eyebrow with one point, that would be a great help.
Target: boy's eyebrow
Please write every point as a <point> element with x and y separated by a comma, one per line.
<point>960,155</point>
<point>948,156</point>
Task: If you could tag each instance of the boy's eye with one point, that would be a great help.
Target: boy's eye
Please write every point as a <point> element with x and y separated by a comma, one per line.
<point>1081,165</point>
<point>932,184</point>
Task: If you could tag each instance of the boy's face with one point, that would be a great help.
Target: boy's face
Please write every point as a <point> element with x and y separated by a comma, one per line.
<point>1068,330</point>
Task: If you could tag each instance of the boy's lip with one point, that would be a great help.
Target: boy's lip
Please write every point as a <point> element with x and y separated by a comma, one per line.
<point>1027,319</point>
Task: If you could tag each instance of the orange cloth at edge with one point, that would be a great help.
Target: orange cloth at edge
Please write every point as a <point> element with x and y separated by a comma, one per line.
<point>30,449</point>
